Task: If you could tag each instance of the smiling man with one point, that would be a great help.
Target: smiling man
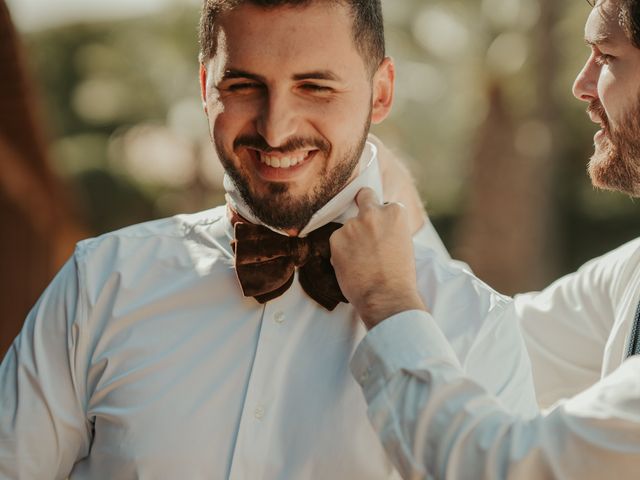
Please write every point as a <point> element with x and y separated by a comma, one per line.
<point>582,332</point>
<point>290,127</point>
<point>216,345</point>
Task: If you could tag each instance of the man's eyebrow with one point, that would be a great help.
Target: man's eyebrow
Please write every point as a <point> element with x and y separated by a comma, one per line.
<point>232,73</point>
<point>317,75</point>
<point>599,38</point>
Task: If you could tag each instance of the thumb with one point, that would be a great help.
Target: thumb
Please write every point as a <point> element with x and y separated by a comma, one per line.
<point>367,199</point>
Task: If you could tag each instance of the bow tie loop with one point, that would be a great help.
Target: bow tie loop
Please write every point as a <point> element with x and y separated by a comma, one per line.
<point>266,263</point>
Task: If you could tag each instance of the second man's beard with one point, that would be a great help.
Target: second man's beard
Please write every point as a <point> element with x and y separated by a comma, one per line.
<point>615,165</point>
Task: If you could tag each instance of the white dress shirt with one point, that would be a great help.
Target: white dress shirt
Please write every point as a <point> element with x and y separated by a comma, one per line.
<point>436,422</point>
<point>577,330</point>
<point>143,360</point>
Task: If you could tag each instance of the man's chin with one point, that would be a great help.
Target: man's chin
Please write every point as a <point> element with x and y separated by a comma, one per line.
<point>600,169</point>
<point>280,209</point>
<point>609,172</point>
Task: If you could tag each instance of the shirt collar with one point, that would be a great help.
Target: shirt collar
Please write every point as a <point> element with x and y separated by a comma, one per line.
<point>339,209</point>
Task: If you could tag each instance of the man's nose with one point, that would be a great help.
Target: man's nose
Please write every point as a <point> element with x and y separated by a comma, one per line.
<point>277,122</point>
<point>585,86</point>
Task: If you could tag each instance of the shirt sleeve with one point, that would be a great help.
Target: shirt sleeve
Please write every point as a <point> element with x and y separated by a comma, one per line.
<point>566,326</point>
<point>436,423</point>
<point>43,428</point>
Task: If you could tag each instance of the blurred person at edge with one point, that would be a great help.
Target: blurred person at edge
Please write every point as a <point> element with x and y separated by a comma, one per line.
<point>582,332</point>
<point>145,357</point>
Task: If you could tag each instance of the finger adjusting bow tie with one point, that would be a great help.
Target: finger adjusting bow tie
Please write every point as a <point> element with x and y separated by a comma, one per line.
<point>266,263</point>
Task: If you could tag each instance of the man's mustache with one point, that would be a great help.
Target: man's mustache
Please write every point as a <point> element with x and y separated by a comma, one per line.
<point>596,108</point>
<point>293,144</point>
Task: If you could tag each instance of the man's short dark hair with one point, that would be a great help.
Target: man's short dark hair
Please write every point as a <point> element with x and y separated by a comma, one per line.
<point>368,29</point>
<point>630,20</point>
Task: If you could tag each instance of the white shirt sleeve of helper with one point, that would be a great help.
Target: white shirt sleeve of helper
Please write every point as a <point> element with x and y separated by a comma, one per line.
<point>436,423</point>
<point>567,325</point>
<point>43,428</point>
<point>480,327</point>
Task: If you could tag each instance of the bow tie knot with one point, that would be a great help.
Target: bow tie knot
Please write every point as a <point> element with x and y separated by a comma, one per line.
<point>300,249</point>
<point>266,263</point>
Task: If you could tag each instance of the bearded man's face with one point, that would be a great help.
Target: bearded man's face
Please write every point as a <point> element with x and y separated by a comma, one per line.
<point>610,83</point>
<point>290,98</point>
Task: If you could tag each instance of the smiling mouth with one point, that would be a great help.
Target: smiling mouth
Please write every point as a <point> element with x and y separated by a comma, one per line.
<point>284,161</point>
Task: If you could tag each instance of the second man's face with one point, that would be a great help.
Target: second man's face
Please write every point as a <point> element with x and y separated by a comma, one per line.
<point>610,83</point>
<point>290,100</point>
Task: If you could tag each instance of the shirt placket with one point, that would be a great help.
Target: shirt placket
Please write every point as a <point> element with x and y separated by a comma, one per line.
<point>250,457</point>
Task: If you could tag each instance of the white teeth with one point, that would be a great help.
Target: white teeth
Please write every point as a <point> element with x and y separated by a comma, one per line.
<point>281,162</point>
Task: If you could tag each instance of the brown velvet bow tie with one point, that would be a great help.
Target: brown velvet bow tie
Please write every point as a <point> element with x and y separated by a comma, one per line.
<point>266,262</point>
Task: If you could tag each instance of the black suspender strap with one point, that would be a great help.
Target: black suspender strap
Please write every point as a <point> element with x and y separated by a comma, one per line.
<point>634,340</point>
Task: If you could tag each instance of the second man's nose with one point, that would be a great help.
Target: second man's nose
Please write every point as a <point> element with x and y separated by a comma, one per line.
<point>585,86</point>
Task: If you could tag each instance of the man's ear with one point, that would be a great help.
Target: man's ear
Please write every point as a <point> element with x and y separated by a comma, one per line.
<point>383,85</point>
<point>203,86</point>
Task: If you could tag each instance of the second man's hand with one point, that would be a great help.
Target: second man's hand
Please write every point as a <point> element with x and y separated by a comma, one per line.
<point>374,262</point>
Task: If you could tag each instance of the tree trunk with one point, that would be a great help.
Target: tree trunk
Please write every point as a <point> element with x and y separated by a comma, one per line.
<point>38,232</point>
<point>507,232</point>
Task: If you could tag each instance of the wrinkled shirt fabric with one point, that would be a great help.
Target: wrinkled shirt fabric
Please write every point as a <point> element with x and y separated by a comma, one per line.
<point>142,359</point>
<point>437,422</point>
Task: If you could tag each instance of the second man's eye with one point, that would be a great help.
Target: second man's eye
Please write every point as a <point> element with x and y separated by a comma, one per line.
<point>603,59</point>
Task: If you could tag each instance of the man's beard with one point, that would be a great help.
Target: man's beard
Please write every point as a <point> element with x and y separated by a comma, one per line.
<point>278,208</point>
<point>615,165</point>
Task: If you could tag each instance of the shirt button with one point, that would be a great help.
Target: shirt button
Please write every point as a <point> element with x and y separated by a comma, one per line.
<point>279,317</point>
<point>259,412</point>
<point>364,377</point>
